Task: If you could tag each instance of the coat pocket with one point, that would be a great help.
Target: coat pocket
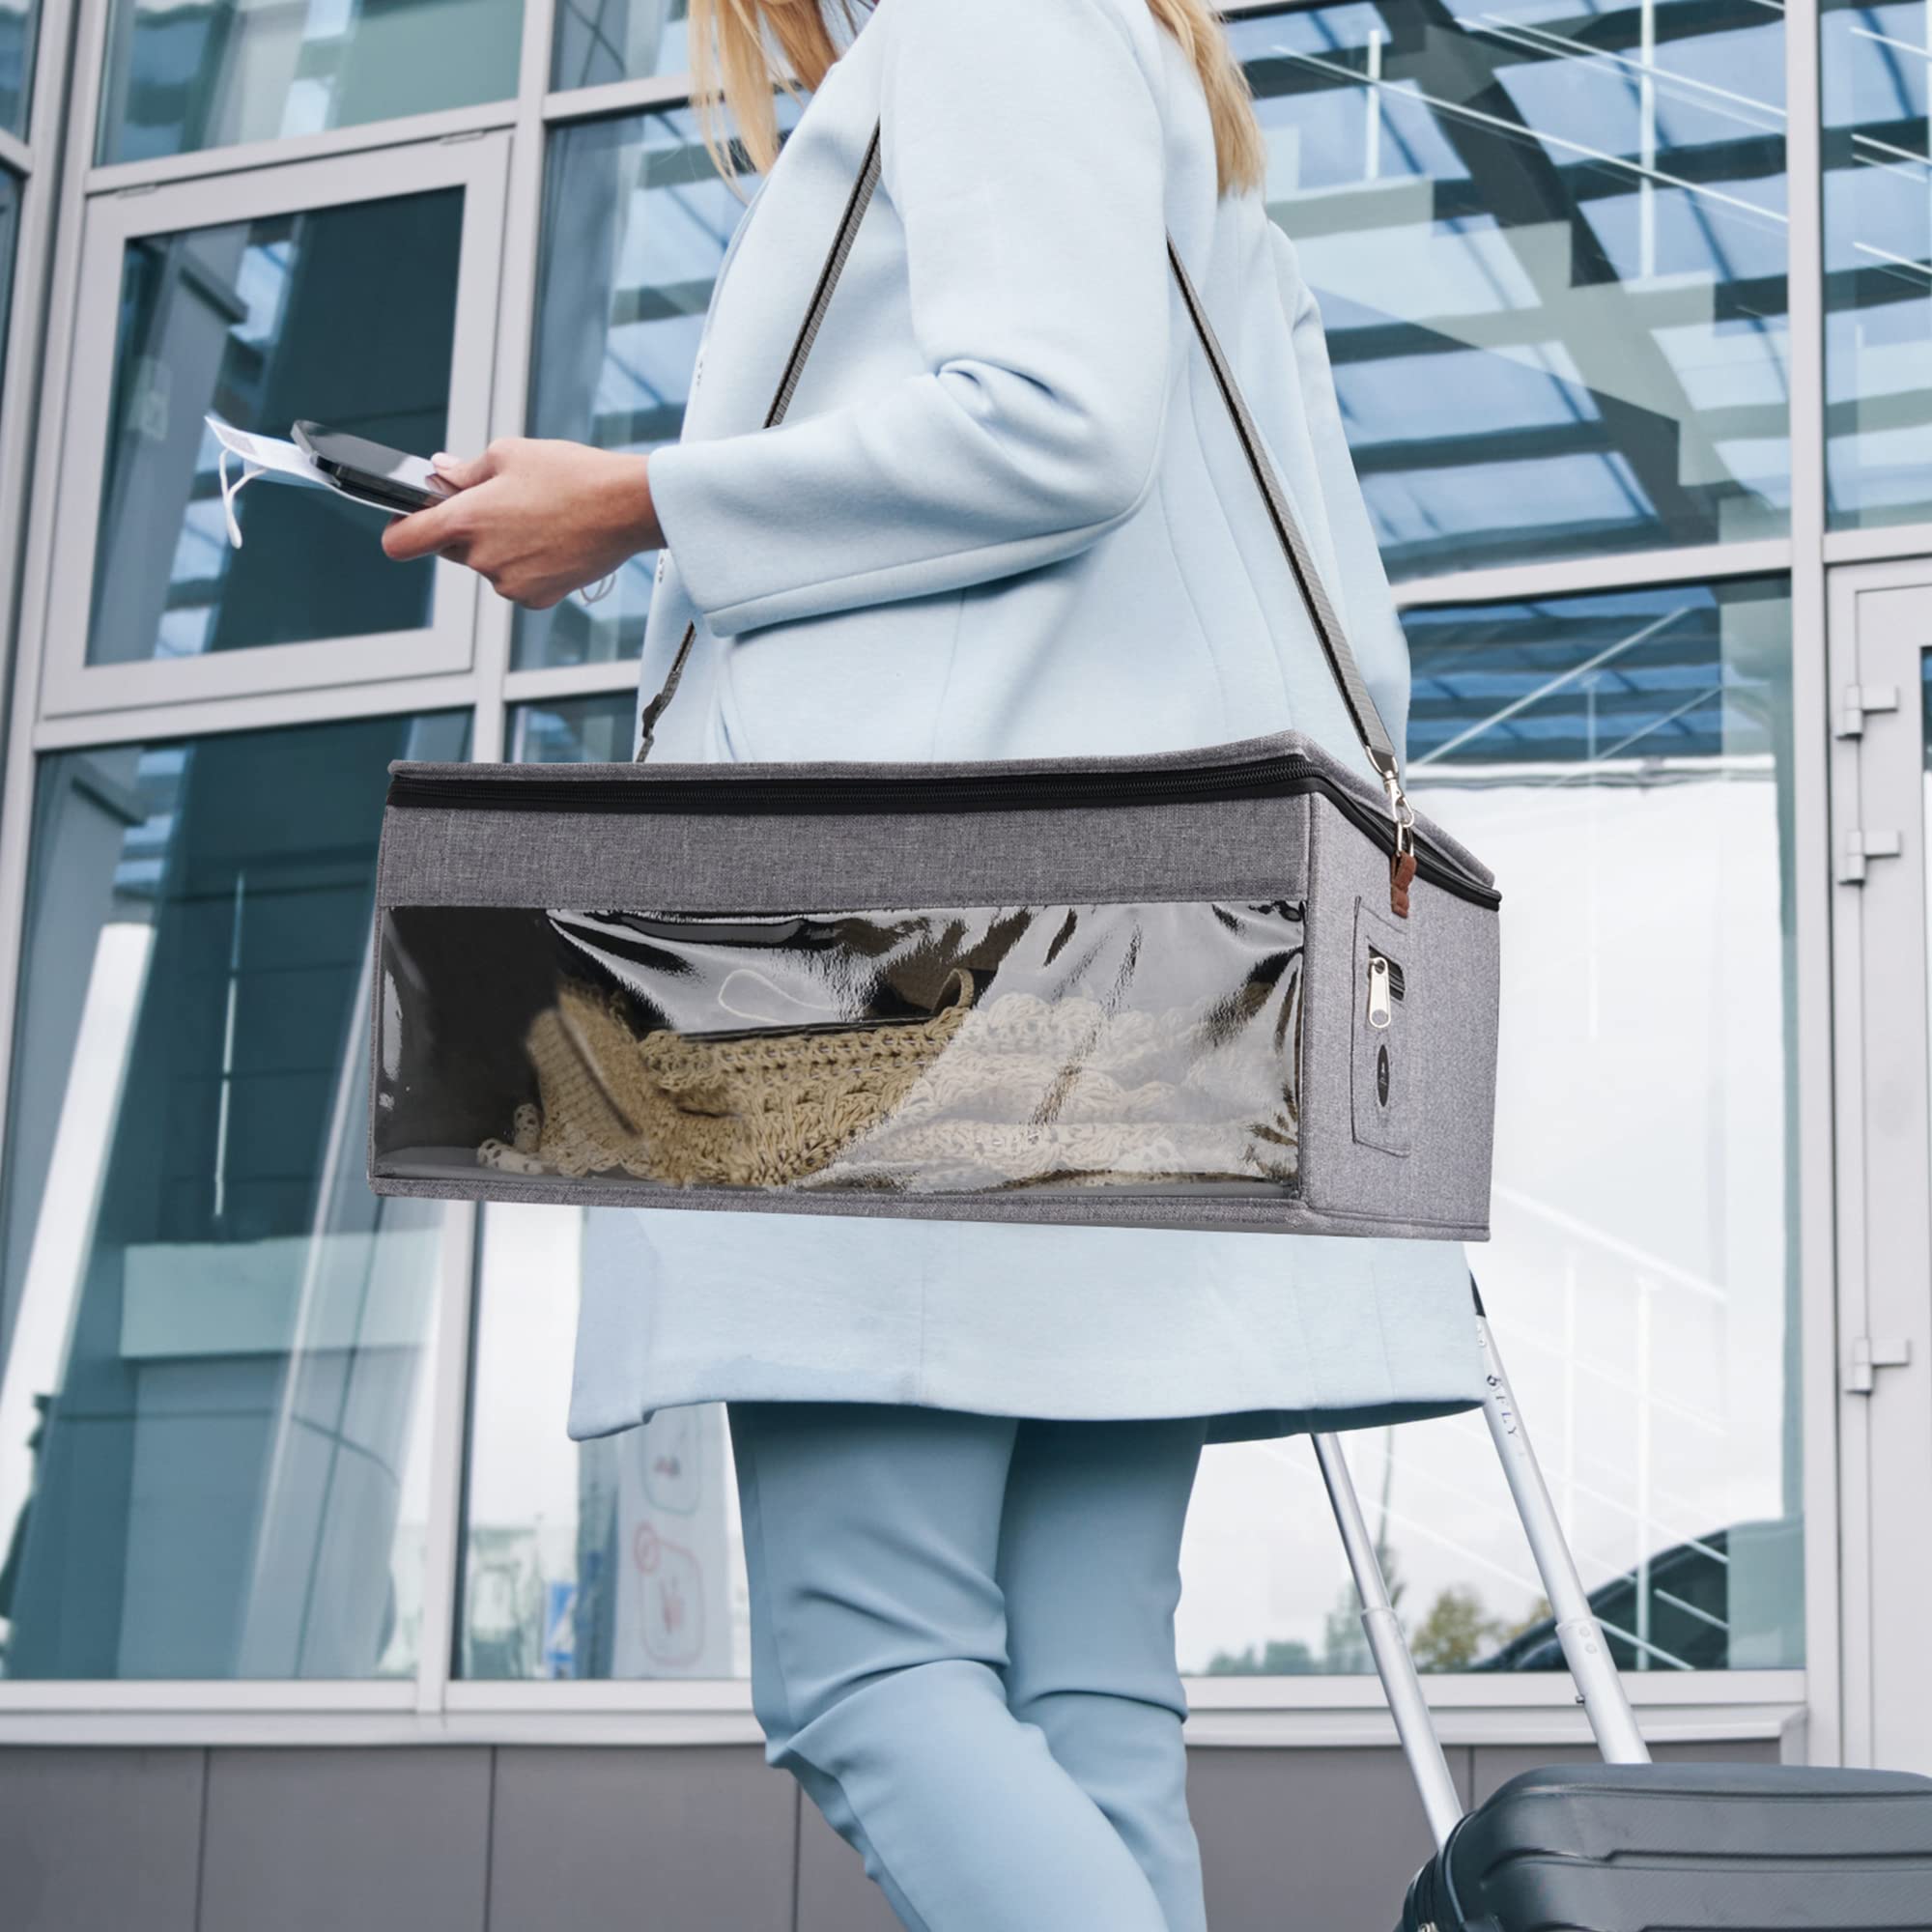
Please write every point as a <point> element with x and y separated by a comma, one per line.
<point>1383,1033</point>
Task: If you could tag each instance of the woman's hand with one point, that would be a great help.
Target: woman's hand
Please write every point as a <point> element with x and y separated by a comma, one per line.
<point>537,516</point>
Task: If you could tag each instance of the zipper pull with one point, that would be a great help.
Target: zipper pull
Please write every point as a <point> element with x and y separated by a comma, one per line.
<point>1402,858</point>
<point>1379,1010</point>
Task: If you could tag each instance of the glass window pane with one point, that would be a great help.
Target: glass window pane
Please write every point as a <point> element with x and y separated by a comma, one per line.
<point>213,1459</point>
<point>181,78</point>
<point>1877,264</point>
<point>9,232</point>
<point>1624,761</point>
<point>598,41</point>
<point>18,20</point>
<point>616,1557</point>
<point>1644,1297</point>
<point>1548,245</point>
<point>344,314</point>
<point>575,730</point>
<point>637,224</point>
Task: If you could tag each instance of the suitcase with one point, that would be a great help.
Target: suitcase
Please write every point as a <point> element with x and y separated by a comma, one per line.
<point>1628,1845</point>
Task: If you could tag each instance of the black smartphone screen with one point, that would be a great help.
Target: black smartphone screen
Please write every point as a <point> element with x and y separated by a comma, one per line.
<point>391,478</point>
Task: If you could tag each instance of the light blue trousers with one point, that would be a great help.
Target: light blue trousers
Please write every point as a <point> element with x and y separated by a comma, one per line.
<point>962,1647</point>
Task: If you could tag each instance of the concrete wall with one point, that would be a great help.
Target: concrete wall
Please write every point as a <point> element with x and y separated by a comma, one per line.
<point>481,1838</point>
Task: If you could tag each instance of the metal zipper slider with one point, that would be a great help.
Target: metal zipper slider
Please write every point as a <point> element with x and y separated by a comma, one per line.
<point>1379,1010</point>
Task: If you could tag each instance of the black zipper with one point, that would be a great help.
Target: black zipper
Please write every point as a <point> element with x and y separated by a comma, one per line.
<point>1396,981</point>
<point>997,791</point>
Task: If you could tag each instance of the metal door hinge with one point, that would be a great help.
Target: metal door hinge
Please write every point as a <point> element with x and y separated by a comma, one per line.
<point>1869,1356</point>
<point>1857,700</point>
<point>1859,846</point>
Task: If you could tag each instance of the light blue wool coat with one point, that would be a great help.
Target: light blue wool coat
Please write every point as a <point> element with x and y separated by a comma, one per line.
<point>1007,514</point>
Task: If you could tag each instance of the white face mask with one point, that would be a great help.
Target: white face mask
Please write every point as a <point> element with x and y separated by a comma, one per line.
<point>230,491</point>
<point>257,455</point>
<point>260,454</point>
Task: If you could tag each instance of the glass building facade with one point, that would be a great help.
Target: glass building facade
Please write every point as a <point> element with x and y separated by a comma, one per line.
<point>1630,309</point>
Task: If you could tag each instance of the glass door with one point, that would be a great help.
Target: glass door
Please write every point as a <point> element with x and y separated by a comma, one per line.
<point>1881,643</point>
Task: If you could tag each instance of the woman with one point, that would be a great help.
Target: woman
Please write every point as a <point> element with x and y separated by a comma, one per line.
<point>1005,515</point>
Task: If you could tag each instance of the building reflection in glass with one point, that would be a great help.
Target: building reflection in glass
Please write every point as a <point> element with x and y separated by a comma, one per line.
<point>1623,760</point>
<point>186,75</point>
<point>345,315</point>
<point>1877,264</point>
<point>213,1399</point>
<point>637,225</point>
<point>1548,245</point>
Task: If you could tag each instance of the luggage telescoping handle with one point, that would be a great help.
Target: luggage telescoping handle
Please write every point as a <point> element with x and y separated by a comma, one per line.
<point>1612,1721</point>
<point>1389,1648</point>
<point>1585,1651</point>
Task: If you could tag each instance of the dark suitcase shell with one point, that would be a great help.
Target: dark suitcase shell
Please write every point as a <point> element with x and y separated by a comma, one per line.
<point>1686,1847</point>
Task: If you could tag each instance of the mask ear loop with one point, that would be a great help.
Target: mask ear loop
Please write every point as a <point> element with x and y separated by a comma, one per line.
<point>230,491</point>
<point>590,593</point>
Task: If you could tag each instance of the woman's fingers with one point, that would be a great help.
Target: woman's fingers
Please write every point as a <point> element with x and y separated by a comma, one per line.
<point>534,518</point>
<point>462,472</point>
<point>437,531</point>
<point>429,532</point>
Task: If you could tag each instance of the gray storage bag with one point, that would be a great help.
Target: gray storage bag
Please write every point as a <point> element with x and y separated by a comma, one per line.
<point>1246,986</point>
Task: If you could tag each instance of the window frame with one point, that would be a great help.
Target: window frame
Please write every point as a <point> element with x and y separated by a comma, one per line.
<point>477,164</point>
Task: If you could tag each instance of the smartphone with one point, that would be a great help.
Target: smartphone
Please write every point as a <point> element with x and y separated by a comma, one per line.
<point>371,473</point>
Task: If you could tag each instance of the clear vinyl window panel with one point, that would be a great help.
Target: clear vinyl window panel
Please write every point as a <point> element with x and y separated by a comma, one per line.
<point>1549,244</point>
<point>966,1050</point>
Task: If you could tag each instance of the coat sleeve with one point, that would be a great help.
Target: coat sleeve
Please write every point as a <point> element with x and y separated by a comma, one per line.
<point>1360,593</point>
<point>1022,149</point>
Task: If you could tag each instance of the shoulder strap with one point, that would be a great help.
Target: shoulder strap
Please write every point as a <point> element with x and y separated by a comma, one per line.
<point>1369,726</point>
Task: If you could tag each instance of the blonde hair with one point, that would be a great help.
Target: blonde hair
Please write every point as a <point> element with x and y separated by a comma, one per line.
<point>728,63</point>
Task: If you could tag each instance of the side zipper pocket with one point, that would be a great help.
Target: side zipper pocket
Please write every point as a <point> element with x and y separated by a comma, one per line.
<point>1381,1031</point>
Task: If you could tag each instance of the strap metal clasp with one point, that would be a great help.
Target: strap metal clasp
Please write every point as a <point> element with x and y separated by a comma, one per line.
<point>1401,861</point>
<point>1400,809</point>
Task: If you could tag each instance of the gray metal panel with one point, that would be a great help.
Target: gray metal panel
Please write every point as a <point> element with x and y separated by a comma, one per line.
<point>1314,1839</point>
<point>1496,1763</point>
<point>60,1808</point>
<point>1288,1839</point>
<point>383,1839</point>
<point>649,1840</point>
<point>834,1892</point>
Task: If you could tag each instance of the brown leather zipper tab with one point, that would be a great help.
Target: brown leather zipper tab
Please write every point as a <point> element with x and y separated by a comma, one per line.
<point>1402,870</point>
